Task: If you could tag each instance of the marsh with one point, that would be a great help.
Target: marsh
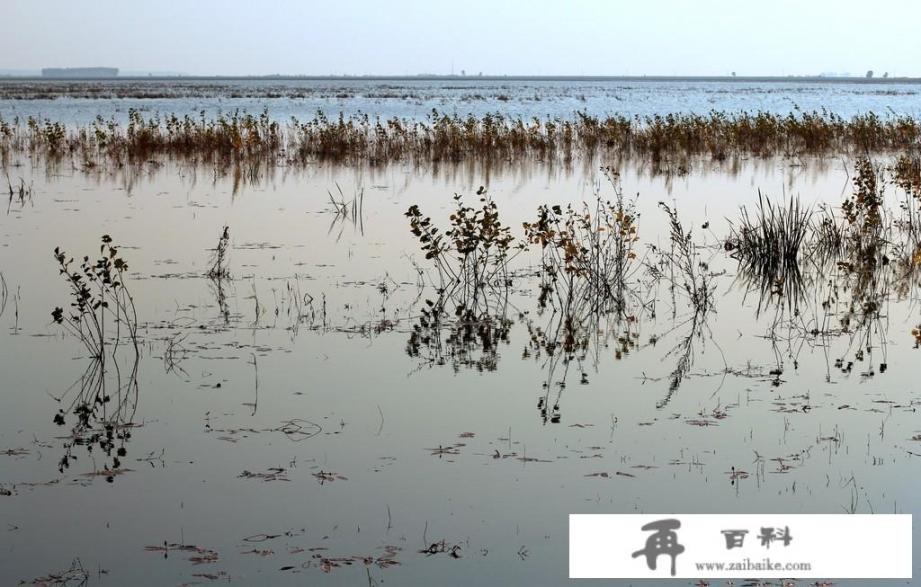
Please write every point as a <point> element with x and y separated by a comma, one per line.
<point>357,330</point>
<point>314,400</point>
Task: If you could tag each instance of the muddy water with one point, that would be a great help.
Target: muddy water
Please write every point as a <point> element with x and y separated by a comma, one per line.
<point>280,426</point>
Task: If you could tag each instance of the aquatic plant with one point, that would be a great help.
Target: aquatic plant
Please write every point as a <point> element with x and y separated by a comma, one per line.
<point>219,269</point>
<point>767,244</point>
<point>98,292</point>
<point>863,210</point>
<point>102,316</point>
<point>347,210</point>
<point>471,262</point>
<point>472,254</point>
<point>775,233</point>
<point>687,276</point>
<point>686,272</point>
<point>906,173</point>
<point>828,274</point>
<point>587,255</point>
<point>242,139</point>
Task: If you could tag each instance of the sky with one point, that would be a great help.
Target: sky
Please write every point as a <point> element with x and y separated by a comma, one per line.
<point>516,37</point>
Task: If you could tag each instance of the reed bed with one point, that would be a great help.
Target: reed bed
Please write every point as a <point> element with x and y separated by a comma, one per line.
<point>242,137</point>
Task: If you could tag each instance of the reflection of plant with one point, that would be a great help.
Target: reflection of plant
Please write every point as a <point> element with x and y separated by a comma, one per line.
<point>578,339</point>
<point>345,211</point>
<point>466,339</point>
<point>99,292</point>
<point>562,337</point>
<point>104,404</point>
<point>4,294</point>
<point>19,193</point>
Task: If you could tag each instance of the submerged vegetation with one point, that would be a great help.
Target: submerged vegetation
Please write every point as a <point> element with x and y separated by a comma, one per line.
<point>247,139</point>
<point>102,316</point>
<point>594,288</point>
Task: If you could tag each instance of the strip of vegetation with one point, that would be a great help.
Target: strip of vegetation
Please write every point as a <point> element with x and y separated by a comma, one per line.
<point>243,137</point>
<point>819,274</point>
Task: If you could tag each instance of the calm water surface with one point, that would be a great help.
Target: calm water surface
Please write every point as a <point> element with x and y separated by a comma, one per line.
<point>281,424</point>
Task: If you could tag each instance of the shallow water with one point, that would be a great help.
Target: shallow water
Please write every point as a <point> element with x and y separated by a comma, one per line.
<point>285,436</point>
<point>82,102</point>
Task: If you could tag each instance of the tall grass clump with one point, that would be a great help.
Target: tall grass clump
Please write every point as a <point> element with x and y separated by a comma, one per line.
<point>768,244</point>
<point>774,234</point>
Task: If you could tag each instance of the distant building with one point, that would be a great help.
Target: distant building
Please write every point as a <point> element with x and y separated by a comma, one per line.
<point>80,72</point>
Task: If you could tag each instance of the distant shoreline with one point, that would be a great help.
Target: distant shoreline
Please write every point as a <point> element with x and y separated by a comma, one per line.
<point>484,78</point>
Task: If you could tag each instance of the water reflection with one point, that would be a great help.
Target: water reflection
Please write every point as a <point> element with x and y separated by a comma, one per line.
<point>99,412</point>
<point>448,332</point>
<point>820,280</point>
<point>310,335</point>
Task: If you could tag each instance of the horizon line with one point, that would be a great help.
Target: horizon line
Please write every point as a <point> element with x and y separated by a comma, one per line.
<point>483,77</point>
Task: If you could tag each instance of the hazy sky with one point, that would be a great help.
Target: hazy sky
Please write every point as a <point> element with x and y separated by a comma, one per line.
<point>664,37</point>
